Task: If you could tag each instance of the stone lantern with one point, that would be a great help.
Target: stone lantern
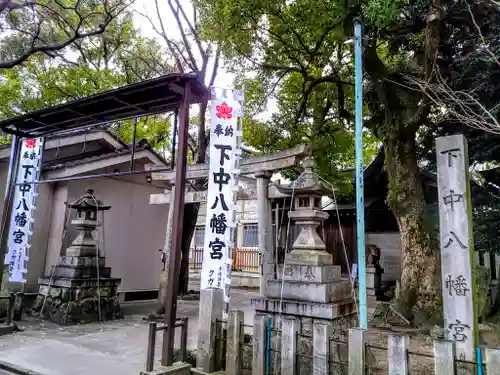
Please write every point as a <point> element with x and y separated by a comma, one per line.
<point>309,296</point>
<point>309,267</point>
<point>80,288</point>
<point>87,208</point>
<point>308,248</point>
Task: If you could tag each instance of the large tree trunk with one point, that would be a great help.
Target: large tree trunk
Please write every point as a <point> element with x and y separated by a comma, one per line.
<point>419,295</point>
<point>189,224</point>
<point>190,218</point>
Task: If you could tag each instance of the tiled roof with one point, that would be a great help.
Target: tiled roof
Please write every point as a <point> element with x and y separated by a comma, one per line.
<point>141,145</point>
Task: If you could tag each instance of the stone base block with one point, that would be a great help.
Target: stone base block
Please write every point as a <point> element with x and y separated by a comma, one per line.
<point>78,261</point>
<point>81,251</point>
<point>308,291</point>
<point>69,306</point>
<point>316,274</point>
<point>309,258</point>
<point>178,368</point>
<point>81,272</point>
<point>79,283</point>
<point>305,309</point>
<point>7,329</point>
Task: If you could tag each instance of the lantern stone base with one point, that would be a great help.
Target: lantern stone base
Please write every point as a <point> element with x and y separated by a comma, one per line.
<point>67,301</point>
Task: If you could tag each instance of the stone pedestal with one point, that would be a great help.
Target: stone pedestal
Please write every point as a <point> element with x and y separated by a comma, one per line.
<point>373,280</point>
<point>80,288</point>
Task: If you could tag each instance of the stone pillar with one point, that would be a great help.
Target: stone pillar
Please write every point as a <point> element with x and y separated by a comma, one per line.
<point>211,306</point>
<point>266,247</point>
<point>492,357</point>
<point>444,357</point>
<point>458,269</point>
<point>234,339</point>
<point>289,330</point>
<point>357,351</point>
<point>166,253</point>
<point>321,347</point>
<point>398,359</point>
<point>259,345</point>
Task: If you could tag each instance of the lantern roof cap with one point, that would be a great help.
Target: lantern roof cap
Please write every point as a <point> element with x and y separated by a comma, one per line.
<point>88,202</point>
<point>307,183</point>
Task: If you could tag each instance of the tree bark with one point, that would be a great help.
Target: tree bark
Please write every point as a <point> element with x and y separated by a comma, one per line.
<point>419,296</point>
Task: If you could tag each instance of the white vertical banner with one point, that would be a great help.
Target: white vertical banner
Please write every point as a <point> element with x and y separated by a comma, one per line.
<point>23,208</point>
<point>220,227</point>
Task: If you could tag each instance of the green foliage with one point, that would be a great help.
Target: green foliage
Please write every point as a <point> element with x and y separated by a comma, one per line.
<point>383,13</point>
<point>48,26</point>
<point>99,63</point>
<point>486,225</point>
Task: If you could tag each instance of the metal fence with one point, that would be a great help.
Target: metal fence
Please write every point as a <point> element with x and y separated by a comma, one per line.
<point>153,329</point>
<point>245,259</point>
<point>286,347</point>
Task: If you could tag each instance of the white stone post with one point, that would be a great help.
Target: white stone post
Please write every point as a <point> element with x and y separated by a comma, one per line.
<point>289,330</point>
<point>234,340</point>
<point>357,350</point>
<point>444,357</point>
<point>322,332</point>
<point>211,306</point>
<point>264,211</point>
<point>259,345</point>
<point>398,358</point>
<point>492,356</point>
<point>458,260</point>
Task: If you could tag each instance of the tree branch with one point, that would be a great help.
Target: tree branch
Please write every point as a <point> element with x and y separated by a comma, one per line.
<point>183,36</point>
<point>191,28</point>
<point>215,67</point>
<point>76,35</point>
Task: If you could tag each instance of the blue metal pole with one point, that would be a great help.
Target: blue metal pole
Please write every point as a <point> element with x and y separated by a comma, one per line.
<point>360,205</point>
<point>268,347</point>
<point>479,360</point>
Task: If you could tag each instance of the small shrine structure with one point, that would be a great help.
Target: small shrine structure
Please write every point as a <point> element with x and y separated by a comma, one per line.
<point>80,288</point>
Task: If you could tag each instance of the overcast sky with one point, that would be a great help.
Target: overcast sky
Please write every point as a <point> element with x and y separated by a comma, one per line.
<point>223,79</point>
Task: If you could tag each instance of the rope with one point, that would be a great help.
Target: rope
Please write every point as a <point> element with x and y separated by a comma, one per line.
<point>351,279</point>
<point>97,261</point>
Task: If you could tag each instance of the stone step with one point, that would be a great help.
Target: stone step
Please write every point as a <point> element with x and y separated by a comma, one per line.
<point>305,309</point>
<point>309,291</point>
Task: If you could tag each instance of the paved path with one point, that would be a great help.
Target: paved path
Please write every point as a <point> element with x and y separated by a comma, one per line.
<point>111,348</point>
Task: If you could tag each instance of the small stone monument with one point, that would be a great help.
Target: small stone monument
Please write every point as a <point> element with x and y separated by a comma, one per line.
<point>310,288</point>
<point>373,271</point>
<point>80,288</point>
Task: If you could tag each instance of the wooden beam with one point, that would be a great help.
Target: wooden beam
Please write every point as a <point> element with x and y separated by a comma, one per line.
<point>201,196</point>
<point>271,162</point>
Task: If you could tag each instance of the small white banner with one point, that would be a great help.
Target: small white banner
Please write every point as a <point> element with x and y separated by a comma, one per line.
<point>23,208</point>
<point>220,225</point>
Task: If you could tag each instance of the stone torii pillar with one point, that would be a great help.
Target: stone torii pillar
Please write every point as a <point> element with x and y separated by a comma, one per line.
<point>266,246</point>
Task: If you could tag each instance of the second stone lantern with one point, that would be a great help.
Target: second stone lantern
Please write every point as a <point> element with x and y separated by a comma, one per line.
<point>310,285</point>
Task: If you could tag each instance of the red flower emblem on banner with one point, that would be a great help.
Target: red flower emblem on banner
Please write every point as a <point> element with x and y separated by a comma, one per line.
<point>224,111</point>
<point>30,143</point>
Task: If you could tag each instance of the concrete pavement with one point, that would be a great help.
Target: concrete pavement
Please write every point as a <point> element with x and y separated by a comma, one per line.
<point>110,348</point>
